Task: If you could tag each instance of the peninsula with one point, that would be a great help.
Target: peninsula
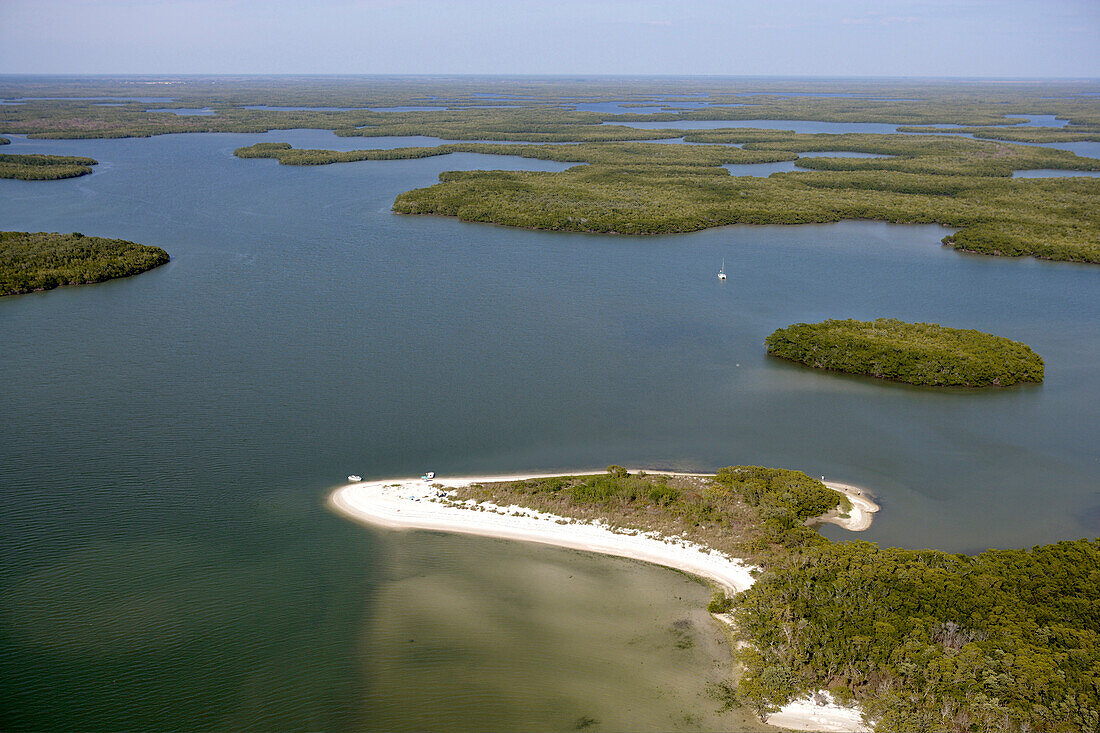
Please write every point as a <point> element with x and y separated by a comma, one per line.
<point>481,505</point>
<point>907,635</point>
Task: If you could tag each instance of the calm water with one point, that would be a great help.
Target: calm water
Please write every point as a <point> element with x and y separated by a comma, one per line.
<point>342,109</point>
<point>169,439</point>
<point>1053,173</point>
<point>186,111</point>
<point>788,166</point>
<point>124,99</point>
<point>1040,120</point>
<point>804,126</point>
<point>1085,149</point>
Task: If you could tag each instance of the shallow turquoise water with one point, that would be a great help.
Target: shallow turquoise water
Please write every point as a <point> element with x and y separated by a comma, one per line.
<point>169,438</point>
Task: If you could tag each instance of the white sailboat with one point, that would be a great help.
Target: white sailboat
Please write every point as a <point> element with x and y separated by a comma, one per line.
<point>722,272</point>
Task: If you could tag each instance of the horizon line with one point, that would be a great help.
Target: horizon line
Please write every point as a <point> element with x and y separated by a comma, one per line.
<point>555,75</point>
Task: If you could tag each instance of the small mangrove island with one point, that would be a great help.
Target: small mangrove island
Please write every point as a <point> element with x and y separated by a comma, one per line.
<point>44,167</point>
<point>925,354</point>
<point>45,260</point>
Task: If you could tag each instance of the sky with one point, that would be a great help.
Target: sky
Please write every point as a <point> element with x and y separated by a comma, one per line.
<point>922,38</point>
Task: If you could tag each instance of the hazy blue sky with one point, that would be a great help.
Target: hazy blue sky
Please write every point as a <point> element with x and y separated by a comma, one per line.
<point>734,37</point>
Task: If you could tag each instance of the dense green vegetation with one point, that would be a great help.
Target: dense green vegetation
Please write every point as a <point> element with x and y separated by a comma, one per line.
<point>86,119</point>
<point>919,154</point>
<point>42,260</point>
<point>632,154</point>
<point>910,154</point>
<point>715,513</point>
<point>1068,134</point>
<point>1047,218</point>
<point>44,167</point>
<point>4,141</point>
<point>917,353</point>
<point>647,188</point>
<point>1007,640</point>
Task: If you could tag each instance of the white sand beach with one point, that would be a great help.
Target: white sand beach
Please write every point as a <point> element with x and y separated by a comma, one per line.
<point>859,516</point>
<point>818,712</point>
<point>415,503</point>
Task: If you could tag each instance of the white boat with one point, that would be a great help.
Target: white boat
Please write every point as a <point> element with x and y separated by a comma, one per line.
<point>428,476</point>
<point>722,272</point>
<point>353,478</point>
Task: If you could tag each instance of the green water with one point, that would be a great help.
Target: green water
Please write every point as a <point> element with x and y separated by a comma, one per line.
<point>484,629</point>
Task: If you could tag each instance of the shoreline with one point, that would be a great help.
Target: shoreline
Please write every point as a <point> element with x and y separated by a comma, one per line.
<point>859,516</point>
<point>415,504</point>
<point>418,504</point>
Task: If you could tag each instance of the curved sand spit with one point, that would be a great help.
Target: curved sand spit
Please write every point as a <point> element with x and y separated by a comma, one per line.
<point>862,511</point>
<point>418,504</point>
<point>414,504</point>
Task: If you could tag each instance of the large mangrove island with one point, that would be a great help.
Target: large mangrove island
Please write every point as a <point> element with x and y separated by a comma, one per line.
<point>652,188</point>
<point>923,640</point>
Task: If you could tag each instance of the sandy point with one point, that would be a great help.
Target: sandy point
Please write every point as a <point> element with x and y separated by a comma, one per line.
<point>416,503</point>
<point>859,516</point>
<point>424,504</point>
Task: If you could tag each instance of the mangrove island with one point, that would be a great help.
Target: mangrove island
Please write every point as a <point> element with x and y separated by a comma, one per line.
<point>916,353</point>
<point>45,260</point>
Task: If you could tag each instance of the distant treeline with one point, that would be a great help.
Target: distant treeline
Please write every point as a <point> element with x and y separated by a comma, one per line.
<point>917,353</point>
<point>1039,96</point>
<point>1068,134</point>
<point>531,111</point>
<point>42,260</point>
<point>44,167</point>
<point>647,188</point>
<point>1048,218</point>
<point>609,153</point>
<point>924,155</point>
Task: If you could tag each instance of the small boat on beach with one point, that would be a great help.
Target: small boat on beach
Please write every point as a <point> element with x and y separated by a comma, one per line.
<point>428,476</point>
<point>353,477</point>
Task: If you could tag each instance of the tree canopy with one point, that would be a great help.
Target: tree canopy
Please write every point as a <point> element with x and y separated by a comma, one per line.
<point>917,353</point>
<point>44,260</point>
